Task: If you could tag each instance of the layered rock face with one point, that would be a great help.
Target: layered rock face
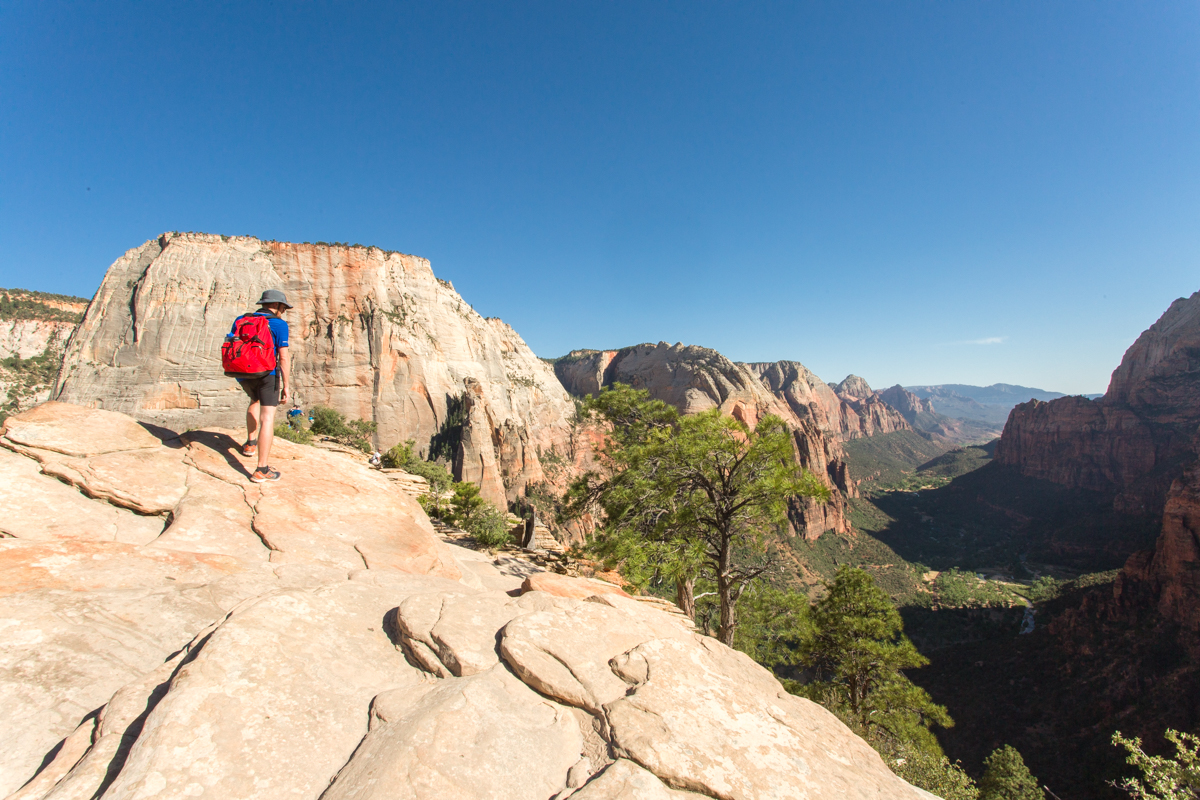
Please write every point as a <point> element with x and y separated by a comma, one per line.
<point>373,334</point>
<point>173,630</point>
<point>695,379</point>
<point>1138,438</point>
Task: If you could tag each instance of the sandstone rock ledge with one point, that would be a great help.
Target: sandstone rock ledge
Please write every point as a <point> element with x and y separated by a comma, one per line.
<point>171,630</point>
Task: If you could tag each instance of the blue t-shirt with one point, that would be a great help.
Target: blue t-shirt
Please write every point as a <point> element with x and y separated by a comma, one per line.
<point>279,332</point>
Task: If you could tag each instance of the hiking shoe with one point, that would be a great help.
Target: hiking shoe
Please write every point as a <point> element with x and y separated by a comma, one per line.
<point>250,448</point>
<point>264,474</point>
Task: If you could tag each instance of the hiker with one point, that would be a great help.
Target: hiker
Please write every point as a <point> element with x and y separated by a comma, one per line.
<point>264,375</point>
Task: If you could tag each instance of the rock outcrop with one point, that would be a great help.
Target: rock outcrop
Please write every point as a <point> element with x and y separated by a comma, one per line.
<point>1169,576</point>
<point>853,386</point>
<point>29,338</point>
<point>173,630</point>
<point>1135,440</point>
<point>695,379</point>
<point>922,415</point>
<point>844,416</point>
<point>34,327</point>
<point>373,334</point>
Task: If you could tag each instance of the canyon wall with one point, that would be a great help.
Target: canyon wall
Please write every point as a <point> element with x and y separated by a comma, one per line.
<point>374,334</point>
<point>1137,439</point>
<point>695,379</point>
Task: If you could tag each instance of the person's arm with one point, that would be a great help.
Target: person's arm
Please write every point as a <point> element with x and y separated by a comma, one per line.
<point>285,370</point>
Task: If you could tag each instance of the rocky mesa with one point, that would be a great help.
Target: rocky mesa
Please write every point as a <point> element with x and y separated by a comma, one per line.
<point>374,334</point>
<point>173,630</point>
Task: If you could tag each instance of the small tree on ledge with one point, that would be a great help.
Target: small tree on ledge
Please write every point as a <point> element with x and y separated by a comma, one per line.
<point>682,495</point>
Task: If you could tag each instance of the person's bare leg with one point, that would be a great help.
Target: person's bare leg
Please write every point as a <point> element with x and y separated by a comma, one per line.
<point>252,420</point>
<point>266,435</point>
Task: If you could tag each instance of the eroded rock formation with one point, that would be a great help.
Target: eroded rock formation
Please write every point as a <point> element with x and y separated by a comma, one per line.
<point>695,379</point>
<point>172,630</point>
<point>845,416</point>
<point>1138,438</point>
<point>373,334</point>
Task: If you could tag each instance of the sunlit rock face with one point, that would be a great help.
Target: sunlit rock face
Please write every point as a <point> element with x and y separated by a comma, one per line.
<point>374,334</point>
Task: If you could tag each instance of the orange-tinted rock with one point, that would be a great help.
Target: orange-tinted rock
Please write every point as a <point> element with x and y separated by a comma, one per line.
<point>565,586</point>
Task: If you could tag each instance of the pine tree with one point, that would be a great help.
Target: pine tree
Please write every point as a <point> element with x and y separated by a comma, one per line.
<point>686,495</point>
<point>1005,777</point>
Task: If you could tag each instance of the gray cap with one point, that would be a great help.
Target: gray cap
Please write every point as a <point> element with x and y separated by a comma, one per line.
<point>273,296</point>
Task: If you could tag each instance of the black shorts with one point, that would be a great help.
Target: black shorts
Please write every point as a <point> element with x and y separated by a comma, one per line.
<point>264,390</point>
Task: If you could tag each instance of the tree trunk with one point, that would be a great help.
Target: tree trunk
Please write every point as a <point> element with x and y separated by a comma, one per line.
<point>725,594</point>
<point>685,596</point>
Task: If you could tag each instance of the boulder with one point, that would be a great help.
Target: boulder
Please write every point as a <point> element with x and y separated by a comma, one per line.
<point>487,735</point>
<point>566,586</point>
<point>706,718</point>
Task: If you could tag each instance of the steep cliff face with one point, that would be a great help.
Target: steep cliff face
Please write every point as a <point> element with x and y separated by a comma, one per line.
<point>1138,438</point>
<point>373,334</point>
<point>695,379</point>
<point>844,416</point>
<point>1169,576</point>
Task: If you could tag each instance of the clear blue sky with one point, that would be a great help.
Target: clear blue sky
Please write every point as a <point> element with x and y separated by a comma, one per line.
<point>962,192</point>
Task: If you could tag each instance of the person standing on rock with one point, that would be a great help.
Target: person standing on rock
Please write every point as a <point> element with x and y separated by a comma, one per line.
<point>268,391</point>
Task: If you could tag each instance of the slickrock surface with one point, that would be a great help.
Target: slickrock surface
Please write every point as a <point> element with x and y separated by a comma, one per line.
<point>1138,438</point>
<point>313,638</point>
<point>373,334</point>
<point>695,379</point>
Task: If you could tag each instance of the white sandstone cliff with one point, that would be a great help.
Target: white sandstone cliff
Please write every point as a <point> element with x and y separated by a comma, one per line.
<point>373,334</point>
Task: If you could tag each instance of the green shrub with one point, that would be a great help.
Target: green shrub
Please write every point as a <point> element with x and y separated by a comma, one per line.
<point>299,434</point>
<point>1005,777</point>
<point>355,433</point>
<point>486,523</point>
<point>402,457</point>
<point>1162,778</point>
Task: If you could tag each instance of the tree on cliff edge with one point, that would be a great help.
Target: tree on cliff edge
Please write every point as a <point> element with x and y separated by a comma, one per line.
<point>682,496</point>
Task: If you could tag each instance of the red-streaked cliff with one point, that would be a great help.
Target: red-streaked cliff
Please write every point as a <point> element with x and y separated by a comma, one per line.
<point>1138,438</point>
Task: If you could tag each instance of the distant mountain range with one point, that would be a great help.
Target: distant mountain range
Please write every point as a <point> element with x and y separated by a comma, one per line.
<point>981,403</point>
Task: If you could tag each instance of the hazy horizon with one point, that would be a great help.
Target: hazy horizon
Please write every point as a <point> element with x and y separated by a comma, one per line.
<point>917,193</point>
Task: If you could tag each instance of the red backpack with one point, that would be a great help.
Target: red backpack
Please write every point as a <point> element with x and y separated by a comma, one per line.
<point>249,352</point>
